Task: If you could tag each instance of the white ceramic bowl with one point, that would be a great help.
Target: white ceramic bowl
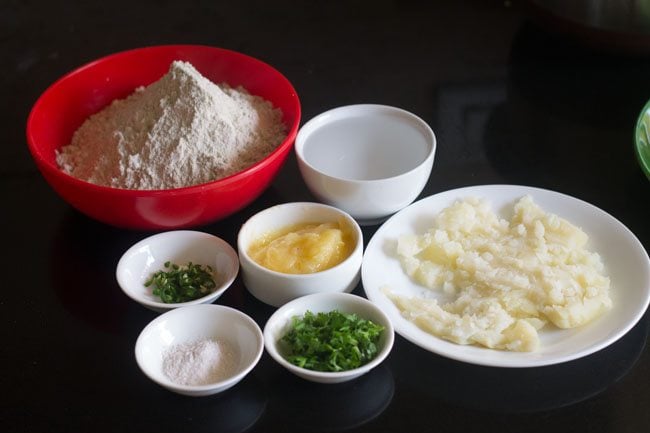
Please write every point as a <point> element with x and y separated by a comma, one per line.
<point>369,160</point>
<point>144,258</point>
<point>231,327</point>
<point>280,322</point>
<point>276,288</point>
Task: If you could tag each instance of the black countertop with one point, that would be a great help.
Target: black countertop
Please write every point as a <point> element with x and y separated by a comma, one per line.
<point>510,100</point>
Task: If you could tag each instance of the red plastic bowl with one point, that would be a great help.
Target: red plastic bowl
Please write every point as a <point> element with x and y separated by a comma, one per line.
<point>65,105</point>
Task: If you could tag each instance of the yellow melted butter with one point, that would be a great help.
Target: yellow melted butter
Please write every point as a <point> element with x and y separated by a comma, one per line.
<point>304,248</point>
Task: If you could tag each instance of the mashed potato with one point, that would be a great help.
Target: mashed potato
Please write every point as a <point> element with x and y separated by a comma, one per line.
<point>504,280</point>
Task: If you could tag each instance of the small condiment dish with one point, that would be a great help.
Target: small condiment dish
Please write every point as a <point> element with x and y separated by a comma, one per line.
<point>276,288</point>
<point>280,323</point>
<point>369,160</point>
<point>228,326</point>
<point>149,255</point>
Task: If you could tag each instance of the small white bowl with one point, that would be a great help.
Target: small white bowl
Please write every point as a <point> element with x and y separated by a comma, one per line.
<point>369,160</point>
<point>277,288</point>
<point>144,258</point>
<point>194,323</point>
<point>280,323</point>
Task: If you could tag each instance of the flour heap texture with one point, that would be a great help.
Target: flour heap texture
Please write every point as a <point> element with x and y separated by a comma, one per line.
<point>180,131</point>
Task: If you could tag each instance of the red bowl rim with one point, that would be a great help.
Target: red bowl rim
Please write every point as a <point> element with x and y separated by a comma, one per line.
<point>55,170</point>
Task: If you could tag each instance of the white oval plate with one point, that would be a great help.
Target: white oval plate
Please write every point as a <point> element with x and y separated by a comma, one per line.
<point>626,263</point>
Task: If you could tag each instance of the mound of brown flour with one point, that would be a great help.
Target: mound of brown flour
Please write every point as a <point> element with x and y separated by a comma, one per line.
<point>180,131</point>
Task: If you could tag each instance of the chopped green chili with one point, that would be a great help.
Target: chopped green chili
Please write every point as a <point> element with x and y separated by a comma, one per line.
<point>181,283</point>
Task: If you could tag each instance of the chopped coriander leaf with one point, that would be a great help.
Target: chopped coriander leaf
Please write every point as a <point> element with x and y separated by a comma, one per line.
<point>181,283</point>
<point>332,341</point>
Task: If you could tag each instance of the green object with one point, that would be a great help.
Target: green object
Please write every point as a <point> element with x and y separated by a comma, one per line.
<point>332,341</point>
<point>642,139</point>
<point>182,283</point>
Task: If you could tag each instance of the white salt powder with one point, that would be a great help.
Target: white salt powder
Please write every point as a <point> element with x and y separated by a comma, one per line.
<point>180,131</point>
<point>199,363</point>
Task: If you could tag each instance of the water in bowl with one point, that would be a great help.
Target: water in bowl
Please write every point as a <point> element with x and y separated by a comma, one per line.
<point>367,148</point>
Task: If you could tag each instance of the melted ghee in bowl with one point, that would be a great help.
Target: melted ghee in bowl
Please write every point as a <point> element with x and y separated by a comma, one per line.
<point>304,248</point>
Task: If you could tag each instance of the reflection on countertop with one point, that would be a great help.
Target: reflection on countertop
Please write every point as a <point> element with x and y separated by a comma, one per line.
<point>235,411</point>
<point>317,407</point>
<point>615,25</point>
<point>520,390</point>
